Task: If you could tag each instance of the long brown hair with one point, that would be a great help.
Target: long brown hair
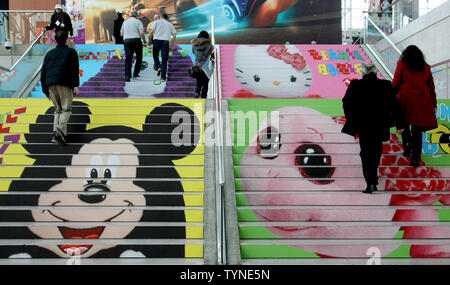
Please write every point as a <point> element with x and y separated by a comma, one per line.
<point>413,58</point>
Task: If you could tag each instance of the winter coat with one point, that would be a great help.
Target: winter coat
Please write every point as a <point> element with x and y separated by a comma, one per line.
<point>117,26</point>
<point>201,48</point>
<point>371,108</point>
<point>417,96</point>
<point>60,67</point>
<point>60,18</point>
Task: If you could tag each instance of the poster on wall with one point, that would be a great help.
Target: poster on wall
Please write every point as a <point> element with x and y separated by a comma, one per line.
<point>25,27</point>
<point>75,8</point>
<point>253,21</point>
<point>289,71</point>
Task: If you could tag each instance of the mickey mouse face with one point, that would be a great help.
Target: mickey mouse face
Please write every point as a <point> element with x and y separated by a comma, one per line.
<point>84,184</point>
<point>97,171</point>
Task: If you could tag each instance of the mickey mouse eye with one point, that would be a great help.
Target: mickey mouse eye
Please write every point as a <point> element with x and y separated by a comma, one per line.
<point>107,173</point>
<point>293,78</point>
<point>269,143</point>
<point>94,173</point>
<point>256,78</point>
<point>313,162</point>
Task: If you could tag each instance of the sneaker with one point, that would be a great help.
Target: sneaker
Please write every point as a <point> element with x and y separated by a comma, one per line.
<point>159,72</point>
<point>55,139</point>
<point>61,137</point>
<point>136,76</point>
<point>127,79</point>
<point>163,80</point>
<point>157,81</point>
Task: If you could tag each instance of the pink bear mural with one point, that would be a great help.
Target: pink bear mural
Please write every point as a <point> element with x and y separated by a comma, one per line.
<point>328,161</point>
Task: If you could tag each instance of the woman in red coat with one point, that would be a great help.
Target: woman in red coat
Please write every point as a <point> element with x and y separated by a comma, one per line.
<point>414,85</point>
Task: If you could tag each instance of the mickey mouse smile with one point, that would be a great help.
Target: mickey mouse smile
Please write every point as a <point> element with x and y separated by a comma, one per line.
<point>71,233</point>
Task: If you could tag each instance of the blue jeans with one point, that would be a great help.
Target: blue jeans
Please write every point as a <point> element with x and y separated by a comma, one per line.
<point>163,47</point>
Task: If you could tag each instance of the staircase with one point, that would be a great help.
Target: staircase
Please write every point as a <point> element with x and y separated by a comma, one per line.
<point>120,192</point>
<point>102,74</point>
<point>298,190</point>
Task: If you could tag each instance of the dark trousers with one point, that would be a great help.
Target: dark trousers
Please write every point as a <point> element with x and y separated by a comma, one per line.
<point>133,46</point>
<point>371,149</point>
<point>163,47</point>
<point>412,137</point>
<point>202,84</point>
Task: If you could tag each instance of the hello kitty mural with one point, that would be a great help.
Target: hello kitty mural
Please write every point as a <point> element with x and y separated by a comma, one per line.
<point>288,76</point>
<point>289,71</point>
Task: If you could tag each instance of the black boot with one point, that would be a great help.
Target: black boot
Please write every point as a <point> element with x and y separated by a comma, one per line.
<point>197,93</point>
<point>415,162</point>
<point>370,188</point>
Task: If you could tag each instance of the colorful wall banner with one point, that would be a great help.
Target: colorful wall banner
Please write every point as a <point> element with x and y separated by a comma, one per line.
<point>289,71</point>
<point>254,21</point>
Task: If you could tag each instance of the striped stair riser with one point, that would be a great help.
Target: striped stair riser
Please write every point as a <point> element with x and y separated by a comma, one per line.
<point>284,214</point>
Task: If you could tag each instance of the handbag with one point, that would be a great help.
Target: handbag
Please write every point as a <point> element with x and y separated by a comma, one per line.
<point>194,71</point>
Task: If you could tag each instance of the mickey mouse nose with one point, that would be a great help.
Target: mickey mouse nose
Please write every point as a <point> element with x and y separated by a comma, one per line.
<point>92,198</point>
<point>276,83</point>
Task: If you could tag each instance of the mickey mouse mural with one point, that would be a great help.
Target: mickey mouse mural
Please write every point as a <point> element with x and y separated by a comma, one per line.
<point>85,175</point>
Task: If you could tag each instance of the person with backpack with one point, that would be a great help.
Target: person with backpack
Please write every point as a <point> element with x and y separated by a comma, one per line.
<point>202,49</point>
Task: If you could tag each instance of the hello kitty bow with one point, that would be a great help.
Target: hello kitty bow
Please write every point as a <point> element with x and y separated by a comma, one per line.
<point>280,52</point>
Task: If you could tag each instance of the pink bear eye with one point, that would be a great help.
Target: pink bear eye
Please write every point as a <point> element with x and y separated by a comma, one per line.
<point>269,143</point>
<point>313,162</point>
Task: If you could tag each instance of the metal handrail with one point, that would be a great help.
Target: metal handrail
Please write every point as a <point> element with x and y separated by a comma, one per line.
<point>383,34</point>
<point>28,49</point>
<point>390,6</point>
<point>218,151</point>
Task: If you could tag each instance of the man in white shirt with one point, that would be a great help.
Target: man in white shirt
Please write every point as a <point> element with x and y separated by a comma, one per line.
<point>132,31</point>
<point>161,31</point>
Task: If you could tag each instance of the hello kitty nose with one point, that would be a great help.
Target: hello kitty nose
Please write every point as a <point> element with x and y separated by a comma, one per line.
<point>276,83</point>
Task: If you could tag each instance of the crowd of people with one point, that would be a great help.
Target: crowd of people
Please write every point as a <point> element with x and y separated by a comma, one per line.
<point>372,106</point>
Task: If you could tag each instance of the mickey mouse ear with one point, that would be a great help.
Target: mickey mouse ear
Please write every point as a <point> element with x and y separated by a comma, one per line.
<point>39,136</point>
<point>173,129</point>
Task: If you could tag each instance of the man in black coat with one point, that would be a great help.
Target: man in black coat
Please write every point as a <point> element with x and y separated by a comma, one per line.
<point>371,109</point>
<point>60,79</point>
<point>60,20</point>
<point>117,26</point>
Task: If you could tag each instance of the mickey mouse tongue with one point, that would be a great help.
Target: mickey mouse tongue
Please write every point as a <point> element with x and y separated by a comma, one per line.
<point>71,233</point>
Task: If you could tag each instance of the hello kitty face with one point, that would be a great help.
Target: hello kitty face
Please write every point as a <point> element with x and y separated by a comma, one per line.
<point>276,71</point>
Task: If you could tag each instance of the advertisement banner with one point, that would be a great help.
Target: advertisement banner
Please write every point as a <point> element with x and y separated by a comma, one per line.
<point>242,21</point>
